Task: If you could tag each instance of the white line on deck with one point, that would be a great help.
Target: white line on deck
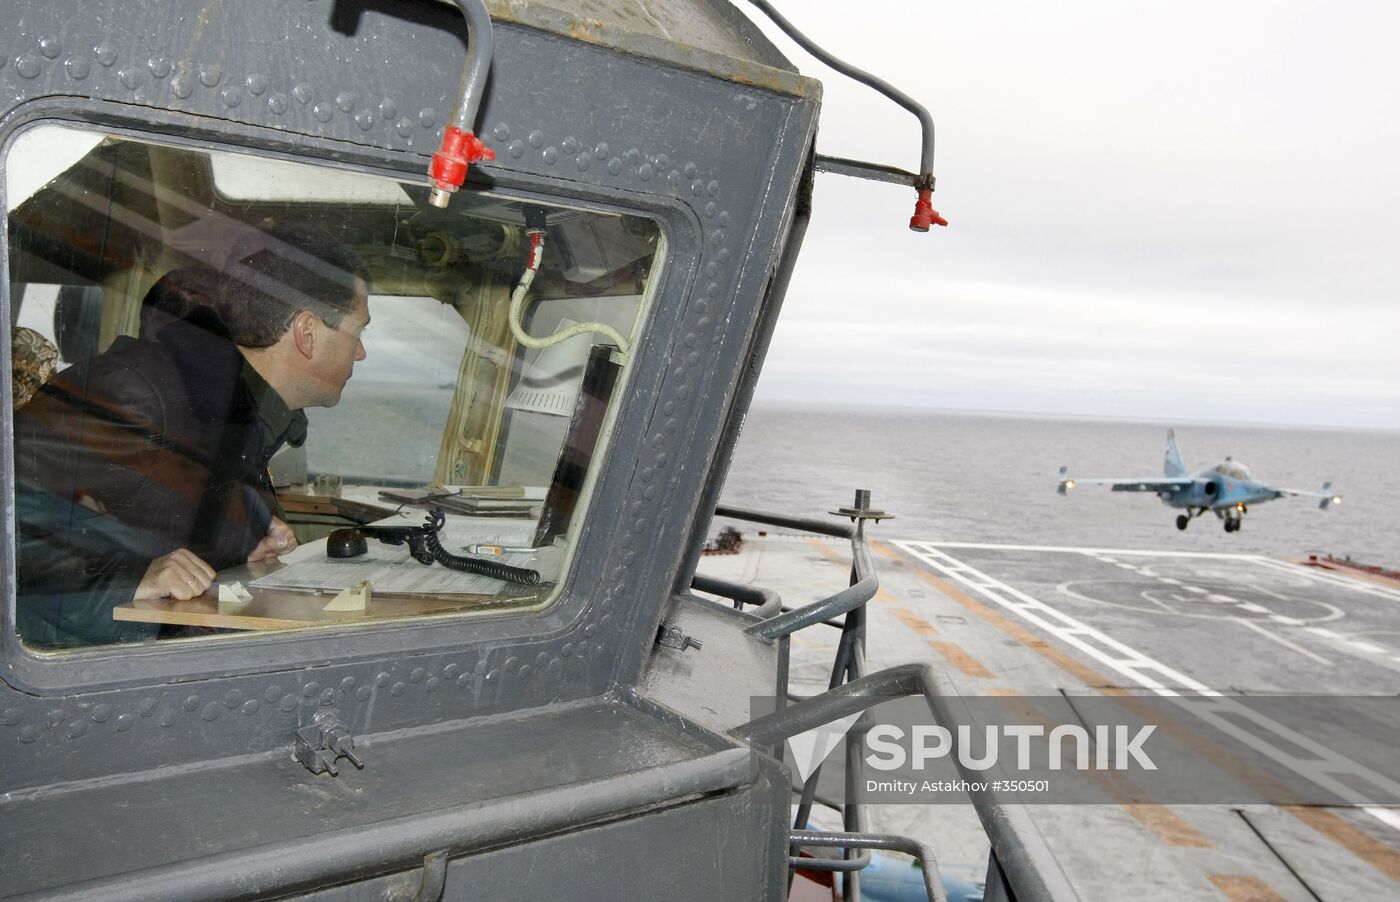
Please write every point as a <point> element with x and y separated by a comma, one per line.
<point>1284,642</point>
<point>1322,765</point>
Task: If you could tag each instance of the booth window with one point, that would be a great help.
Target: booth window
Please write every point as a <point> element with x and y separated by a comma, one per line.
<point>255,394</point>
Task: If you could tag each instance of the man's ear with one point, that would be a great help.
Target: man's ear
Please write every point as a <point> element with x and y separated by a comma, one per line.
<point>304,333</point>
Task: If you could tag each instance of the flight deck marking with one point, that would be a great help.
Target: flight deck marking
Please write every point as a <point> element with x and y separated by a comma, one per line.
<point>1323,768</point>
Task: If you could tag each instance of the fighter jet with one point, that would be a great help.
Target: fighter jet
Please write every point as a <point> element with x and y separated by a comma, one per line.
<point>1226,489</point>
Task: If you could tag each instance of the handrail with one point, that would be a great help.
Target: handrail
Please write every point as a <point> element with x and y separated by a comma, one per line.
<point>769,603</point>
<point>1030,867</point>
<point>922,851</point>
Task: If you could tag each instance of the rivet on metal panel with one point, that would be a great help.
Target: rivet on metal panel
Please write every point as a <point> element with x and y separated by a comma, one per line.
<point>191,702</point>
<point>629,558</point>
<point>555,665</point>
<point>211,711</point>
<point>525,671</point>
<point>76,67</point>
<point>231,96</point>
<point>480,667</point>
<point>511,663</point>
<point>310,690</point>
<point>4,60</point>
<point>125,722</point>
<point>277,103</point>
<point>301,92</point>
<point>711,269</point>
<point>388,110</point>
<point>210,76</point>
<point>363,693</point>
<point>583,161</point>
<point>697,187</point>
<point>250,707</point>
<point>690,170</point>
<point>661,460</point>
<point>569,145</point>
<point>323,112</point>
<point>106,54</point>
<point>673,180</point>
<point>632,156</point>
<point>146,707</point>
<point>273,693</point>
<point>451,670</point>
<point>345,101</point>
<point>662,161</point>
<point>645,172</point>
<point>328,697</point>
<point>550,155</point>
<point>582,649</point>
<point>28,65</point>
<point>541,659</point>
<point>76,728</point>
<point>703,323</point>
<point>50,46</point>
<point>465,680</point>
<point>501,132</point>
<point>28,733</point>
<point>131,77</point>
<point>495,675</point>
<point>182,85</point>
<point>288,703</point>
<point>416,676</point>
<point>516,148</point>
<point>11,716</point>
<point>427,117</point>
<point>232,699</point>
<point>257,83</point>
<point>398,689</point>
<point>432,684</point>
<point>600,151</point>
<point>724,218</point>
<point>567,650</point>
<point>404,127</point>
<point>160,65</point>
<point>364,119</point>
<point>536,138</point>
<point>168,716</point>
<point>347,683</point>
<point>615,166</point>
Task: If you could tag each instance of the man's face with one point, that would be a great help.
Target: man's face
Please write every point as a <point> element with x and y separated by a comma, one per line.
<point>337,349</point>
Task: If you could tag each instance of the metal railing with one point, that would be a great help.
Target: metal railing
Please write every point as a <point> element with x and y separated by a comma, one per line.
<point>1019,855</point>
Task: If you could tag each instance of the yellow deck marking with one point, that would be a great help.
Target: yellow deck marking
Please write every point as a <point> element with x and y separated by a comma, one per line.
<point>1238,888</point>
<point>1346,834</point>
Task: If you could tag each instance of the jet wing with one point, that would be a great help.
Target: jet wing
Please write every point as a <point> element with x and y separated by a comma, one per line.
<point>1328,499</point>
<point>1154,484</point>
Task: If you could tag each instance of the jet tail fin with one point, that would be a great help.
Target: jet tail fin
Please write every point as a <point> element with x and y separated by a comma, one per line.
<point>1328,498</point>
<point>1065,482</point>
<point>1172,465</point>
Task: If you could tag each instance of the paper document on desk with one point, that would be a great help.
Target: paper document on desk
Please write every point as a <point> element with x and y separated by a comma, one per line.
<point>392,571</point>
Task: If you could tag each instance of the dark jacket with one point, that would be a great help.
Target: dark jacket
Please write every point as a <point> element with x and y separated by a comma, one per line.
<point>151,446</point>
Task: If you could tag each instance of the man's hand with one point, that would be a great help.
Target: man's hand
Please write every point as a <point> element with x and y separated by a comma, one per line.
<point>279,540</point>
<point>179,574</point>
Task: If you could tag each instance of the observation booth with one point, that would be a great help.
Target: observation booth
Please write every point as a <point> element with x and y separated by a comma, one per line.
<point>541,356</point>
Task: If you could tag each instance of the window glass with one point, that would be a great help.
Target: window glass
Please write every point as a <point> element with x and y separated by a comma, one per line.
<point>255,394</point>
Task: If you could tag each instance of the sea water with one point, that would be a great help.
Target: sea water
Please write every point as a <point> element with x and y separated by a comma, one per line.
<point>962,477</point>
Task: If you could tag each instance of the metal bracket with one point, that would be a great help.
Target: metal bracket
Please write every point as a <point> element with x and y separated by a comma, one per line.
<point>321,742</point>
<point>671,637</point>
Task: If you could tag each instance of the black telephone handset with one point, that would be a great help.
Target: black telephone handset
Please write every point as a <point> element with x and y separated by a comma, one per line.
<point>424,547</point>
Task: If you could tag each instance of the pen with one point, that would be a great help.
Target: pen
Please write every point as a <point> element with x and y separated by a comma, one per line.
<point>498,550</point>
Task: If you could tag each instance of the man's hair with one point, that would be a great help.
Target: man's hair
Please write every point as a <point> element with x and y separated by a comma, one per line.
<point>296,268</point>
<point>177,295</point>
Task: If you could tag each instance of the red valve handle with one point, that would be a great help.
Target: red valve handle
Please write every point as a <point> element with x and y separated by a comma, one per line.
<point>459,149</point>
<point>924,213</point>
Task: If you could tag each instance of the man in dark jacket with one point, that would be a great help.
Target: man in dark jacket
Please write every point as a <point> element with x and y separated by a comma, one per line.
<point>142,472</point>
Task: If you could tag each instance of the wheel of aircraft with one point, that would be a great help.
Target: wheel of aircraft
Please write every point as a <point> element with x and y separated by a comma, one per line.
<point>1182,521</point>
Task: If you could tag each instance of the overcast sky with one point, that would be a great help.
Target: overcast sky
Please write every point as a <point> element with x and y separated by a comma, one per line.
<point>1180,210</point>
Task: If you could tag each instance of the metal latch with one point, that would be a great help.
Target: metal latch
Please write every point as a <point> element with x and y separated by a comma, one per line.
<point>324,740</point>
<point>671,637</point>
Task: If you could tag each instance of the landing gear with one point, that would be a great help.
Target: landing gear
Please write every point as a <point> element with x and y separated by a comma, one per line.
<point>1233,524</point>
<point>1182,521</point>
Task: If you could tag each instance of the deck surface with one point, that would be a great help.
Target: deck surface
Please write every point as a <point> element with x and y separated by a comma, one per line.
<point>1042,620</point>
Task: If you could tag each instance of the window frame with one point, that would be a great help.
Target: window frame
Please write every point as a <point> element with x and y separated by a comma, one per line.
<point>106,667</point>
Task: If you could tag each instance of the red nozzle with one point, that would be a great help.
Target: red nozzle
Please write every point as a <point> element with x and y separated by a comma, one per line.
<point>448,169</point>
<point>924,213</point>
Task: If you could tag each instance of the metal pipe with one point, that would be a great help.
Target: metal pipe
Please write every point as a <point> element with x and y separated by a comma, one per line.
<point>857,862</point>
<point>820,527</point>
<point>1030,866</point>
<point>401,843</point>
<point>460,146</point>
<point>843,602</point>
<point>933,885</point>
<point>769,602</point>
<point>865,78</point>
